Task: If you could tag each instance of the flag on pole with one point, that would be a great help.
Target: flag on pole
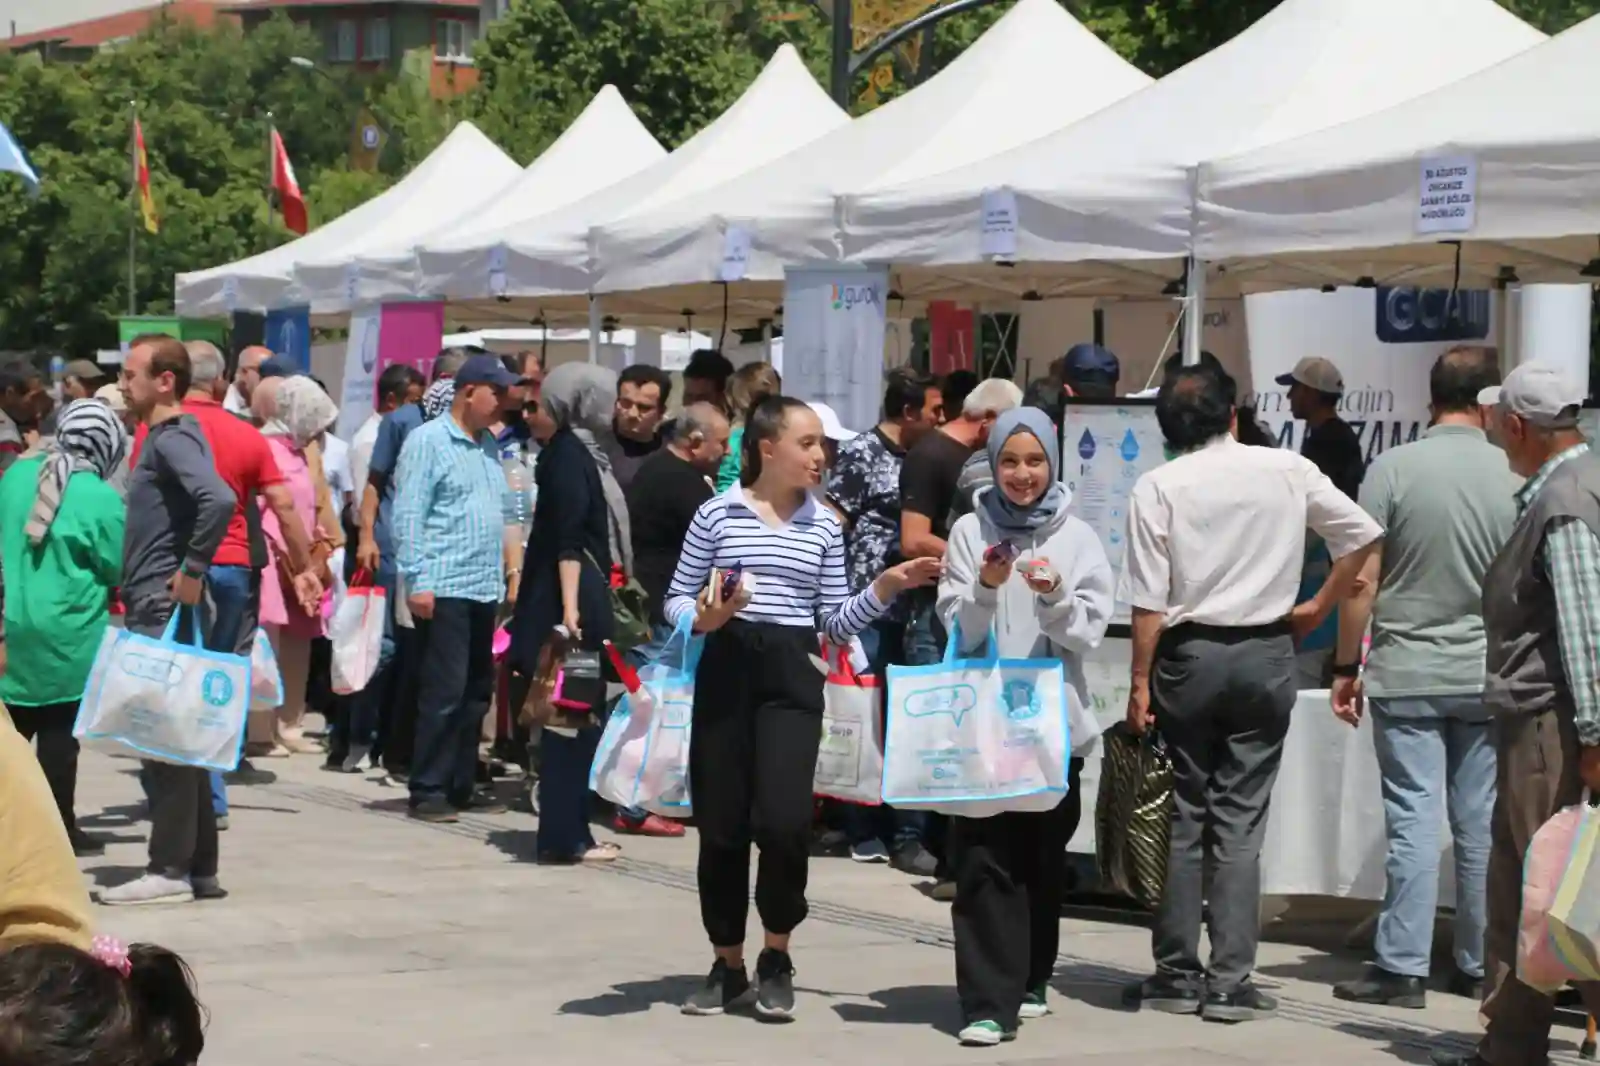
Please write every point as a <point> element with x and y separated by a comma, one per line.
<point>141,179</point>
<point>12,159</point>
<point>287,189</point>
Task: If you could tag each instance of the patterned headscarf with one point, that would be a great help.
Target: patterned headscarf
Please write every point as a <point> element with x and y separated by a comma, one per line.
<point>582,397</point>
<point>437,400</point>
<point>90,437</point>
<point>295,407</point>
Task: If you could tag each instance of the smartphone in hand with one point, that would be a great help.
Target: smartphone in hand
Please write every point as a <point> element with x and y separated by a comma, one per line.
<point>730,581</point>
<point>1003,552</point>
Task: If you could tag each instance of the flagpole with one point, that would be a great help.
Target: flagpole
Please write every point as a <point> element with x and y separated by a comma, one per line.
<point>133,215</point>
<point>268,187</point>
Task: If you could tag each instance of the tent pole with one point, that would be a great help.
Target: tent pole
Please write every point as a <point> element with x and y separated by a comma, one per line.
<point>595,320</point>
<point>1194,312</point>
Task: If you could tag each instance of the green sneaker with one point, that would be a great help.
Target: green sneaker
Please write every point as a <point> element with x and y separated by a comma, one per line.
<point>1034,1004</point>
<point>985,1034</point>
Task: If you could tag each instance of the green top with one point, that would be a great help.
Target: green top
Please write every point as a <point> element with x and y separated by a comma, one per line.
<point>1447,503</point>
<point>728,472</point>
<point>56,594</point>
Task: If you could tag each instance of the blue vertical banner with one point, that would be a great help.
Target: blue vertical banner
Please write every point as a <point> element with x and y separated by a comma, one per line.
<point>288,333</point>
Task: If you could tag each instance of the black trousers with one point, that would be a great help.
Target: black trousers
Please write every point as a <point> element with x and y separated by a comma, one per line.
<point>752,757</point>
<point>397,717</point>
<point>57,748</point>
<point>456,648</point>
<point>1010,872</point>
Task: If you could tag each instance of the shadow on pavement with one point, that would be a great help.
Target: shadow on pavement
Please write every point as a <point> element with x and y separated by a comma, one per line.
<point>123,814</point>
<point>519,844</point>
<point>112,876</point>
<point>932,1006</point>
<point>1089,987</point>
<point>635,997</point>
<point>1406,1045</point>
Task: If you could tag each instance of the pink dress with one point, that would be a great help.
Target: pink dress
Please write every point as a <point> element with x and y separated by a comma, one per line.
<point>276,609</point>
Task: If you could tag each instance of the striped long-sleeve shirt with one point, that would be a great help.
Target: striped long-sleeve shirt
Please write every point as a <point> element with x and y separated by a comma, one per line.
<point>798,567</point>
<point>448,514</point>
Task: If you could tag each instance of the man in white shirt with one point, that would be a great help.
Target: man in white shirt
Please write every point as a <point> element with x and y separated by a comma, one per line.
<point>1216,538</point>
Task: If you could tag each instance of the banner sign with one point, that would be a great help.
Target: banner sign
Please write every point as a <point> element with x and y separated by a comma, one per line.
<point>287,331</point>
<point>833,330</point>
<point>358,397</point>
<point>950,338</point>
<point>1417,316</point>
<point>411,333</point>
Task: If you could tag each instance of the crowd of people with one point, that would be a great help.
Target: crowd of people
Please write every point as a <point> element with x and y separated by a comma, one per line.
<point>564,507</point>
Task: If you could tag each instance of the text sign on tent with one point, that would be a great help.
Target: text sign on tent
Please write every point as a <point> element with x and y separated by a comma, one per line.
<point>497,270</point>
<point>735,254</point>
<point>1447,199</point>
<point>999,236</point>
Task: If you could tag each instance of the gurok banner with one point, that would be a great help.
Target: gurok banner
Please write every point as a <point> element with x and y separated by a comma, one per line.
<point>380,336</point>
<point>833,329</point>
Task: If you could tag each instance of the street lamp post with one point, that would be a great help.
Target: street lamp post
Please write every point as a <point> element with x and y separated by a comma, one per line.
<point>845,65</point>
<point>310,64</point>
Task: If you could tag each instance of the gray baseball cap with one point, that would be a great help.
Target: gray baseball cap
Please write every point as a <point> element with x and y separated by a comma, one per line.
<point>1541,393</point>
<point>1317,373</point>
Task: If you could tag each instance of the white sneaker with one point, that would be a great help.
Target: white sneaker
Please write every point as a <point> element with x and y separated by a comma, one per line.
<point>149,890</point>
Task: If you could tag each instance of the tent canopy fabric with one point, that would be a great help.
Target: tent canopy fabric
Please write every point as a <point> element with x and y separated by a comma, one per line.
<point>1035,70</point>
<point>605,144</point>
<point>1105,206</point>
<point>1530,126</point>
<point>543,253</point>
<point>457,175</point>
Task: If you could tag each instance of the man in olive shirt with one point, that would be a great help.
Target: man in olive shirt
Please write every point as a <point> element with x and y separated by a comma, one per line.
<point>1447,502</point>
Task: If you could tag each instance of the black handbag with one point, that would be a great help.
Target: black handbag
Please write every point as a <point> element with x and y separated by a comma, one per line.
<point>1133,814</point>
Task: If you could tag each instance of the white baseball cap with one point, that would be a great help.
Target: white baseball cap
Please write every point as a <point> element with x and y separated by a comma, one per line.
<point>1541,393</point>
<point>832,428</point>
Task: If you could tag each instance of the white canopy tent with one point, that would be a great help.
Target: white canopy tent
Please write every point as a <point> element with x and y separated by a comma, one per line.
<point>605,145</point>
<point>1105,207</point>
<point>536,257</point>
<point>1529,128</point>
<point>1035,70</point>
<point>465,168</point>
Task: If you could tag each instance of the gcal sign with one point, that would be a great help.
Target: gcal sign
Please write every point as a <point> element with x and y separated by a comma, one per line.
<point>850,297</point>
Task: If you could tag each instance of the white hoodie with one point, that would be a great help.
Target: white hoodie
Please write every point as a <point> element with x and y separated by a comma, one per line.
<point>1062,624</point>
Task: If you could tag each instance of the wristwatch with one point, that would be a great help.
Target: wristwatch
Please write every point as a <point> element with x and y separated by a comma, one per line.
<point>1346,669</point>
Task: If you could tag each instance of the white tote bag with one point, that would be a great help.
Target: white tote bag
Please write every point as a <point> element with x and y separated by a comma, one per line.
<point>850,758</point>
<point>266,682</point>
<point>977,737</point>
<point>642,759</point>
<point>166,701</point>
<point>356,635</point>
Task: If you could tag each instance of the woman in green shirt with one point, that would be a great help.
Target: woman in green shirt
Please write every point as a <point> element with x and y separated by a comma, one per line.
<point>749,385</point>
<point>61,548</point>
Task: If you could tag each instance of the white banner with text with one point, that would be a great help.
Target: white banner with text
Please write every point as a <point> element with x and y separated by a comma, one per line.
<point>833,330</point>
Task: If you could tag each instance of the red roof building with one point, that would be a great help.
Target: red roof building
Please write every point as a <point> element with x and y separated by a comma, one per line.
<point>79,40</point>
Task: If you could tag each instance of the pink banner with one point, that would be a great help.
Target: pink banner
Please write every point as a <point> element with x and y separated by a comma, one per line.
<point>410,333</point>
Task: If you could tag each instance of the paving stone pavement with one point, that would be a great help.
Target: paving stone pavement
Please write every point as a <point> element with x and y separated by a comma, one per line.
<point>354,936</point>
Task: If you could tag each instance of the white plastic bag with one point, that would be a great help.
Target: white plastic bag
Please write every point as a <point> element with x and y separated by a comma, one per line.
<point>850,758</point>
<point>642,759</point>
<point>166,701</point>
<point>977,737</point>
<point>266,683</point>
<point>356,633</point>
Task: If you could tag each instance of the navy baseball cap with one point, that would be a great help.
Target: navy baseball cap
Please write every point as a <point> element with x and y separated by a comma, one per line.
<point>278,367</point>
<point>486,370</point>
<point>1092,362</point>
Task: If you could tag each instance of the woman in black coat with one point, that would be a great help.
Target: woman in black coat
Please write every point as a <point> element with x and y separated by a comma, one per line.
<point>580,529</point>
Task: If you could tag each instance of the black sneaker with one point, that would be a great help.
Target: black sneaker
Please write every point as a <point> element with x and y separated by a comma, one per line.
<point>1244,1004</point>
<point>1166,993</point>
<point>1464,984</point>
<point>208,888</point>
<point>85,845</point>
<point>774,986</point>
<point>437,809</point>
<point>725,988</point>
<point>1379,986</point>
<point>1457,1058</point>
<point>483,801</point>
<point>914,859</point>
<point>248,774</point>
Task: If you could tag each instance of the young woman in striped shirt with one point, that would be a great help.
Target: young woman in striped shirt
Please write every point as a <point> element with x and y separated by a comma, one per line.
<point>758,691</point>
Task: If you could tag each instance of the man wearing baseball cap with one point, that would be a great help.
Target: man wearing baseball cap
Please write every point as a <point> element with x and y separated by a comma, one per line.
<point>1089,371</point>
<point>1541,615</point>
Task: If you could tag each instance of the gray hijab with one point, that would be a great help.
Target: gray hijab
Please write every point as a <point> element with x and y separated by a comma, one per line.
<point>582,397</point>
<point>1007,516</point>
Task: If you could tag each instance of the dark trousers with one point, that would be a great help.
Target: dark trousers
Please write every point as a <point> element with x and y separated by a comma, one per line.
<point>1222,699</point>
<point>564,763</point>
<point>57,748</point>
<point>456,650</point>
<point>1011,874</point>
<point>397,714</point>
<point>361,712</point>
<point>1537,776</point>
<point>752,756</point>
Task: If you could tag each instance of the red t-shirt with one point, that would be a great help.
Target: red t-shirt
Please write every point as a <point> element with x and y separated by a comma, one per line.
<point>243,459</point>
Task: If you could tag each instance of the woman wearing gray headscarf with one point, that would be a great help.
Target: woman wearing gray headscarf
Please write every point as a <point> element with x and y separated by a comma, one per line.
<point>580,532</point>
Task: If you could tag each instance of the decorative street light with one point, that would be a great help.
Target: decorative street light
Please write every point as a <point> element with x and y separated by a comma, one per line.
<point>846,65</point>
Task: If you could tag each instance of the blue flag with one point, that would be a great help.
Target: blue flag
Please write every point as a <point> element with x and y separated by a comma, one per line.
<point>12,159</point>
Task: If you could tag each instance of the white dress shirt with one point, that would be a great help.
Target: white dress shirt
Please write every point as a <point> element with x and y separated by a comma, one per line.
<point>361,445</point>
<point>1218,536</point>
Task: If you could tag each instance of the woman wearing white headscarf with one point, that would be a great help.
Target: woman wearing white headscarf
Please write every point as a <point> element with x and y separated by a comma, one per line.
<point>294,413</point>
<point>61,531</point>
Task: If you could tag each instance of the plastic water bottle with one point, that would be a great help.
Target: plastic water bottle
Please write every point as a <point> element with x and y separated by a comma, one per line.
<point>519,493</point>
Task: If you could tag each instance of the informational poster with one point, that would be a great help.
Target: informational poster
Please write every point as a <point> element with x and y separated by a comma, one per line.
<point>357,398</point>
<point>410,333</point>
<point>1447,194</point>
<point>1106,446</point>
<point>287,332</point>
<point>833,330</point>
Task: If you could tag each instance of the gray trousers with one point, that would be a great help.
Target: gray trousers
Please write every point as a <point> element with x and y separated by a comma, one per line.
<point>1222,699</point>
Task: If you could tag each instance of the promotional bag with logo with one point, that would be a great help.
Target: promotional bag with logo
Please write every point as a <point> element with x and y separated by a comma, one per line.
<point>266,683</point>
<point>1574,916</point>
<point>642,759</point>
<point>850,759</point>
<point>977,737</point>
<point>356,634</point>
<point>166,701</point>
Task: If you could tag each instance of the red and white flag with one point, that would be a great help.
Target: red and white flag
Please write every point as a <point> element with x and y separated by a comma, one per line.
<point>286,189</point>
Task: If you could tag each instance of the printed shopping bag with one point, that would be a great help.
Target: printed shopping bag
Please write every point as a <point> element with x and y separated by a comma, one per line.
<point>356,634</point>
<point>1133,814</point>
<point>1539,965</point>
<point>266,683</point>
<point>977,737</point>
<point>1574,917</point>
<point>166,701</point>
<point>850,758</point>
<point>643,756</point>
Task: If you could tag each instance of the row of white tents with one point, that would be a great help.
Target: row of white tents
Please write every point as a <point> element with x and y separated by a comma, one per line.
<point>1038,164</point>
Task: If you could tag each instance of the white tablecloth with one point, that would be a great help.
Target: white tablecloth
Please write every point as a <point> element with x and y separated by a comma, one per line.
<point>1325,831</point>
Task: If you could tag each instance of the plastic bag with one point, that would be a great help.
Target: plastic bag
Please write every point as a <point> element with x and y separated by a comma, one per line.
<point>977,737</point>
<point>1539,965</point>
<point>850,758</point>
<point>1574,917</point>
<point>642,759</point>
<point>266,683</point>
<point>356,634</point>
<point>1133,814</point>
<point>166,701</point>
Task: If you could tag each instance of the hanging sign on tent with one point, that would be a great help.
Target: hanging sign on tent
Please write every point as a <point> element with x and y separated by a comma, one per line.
<point>230,294</point>
<point>1447,198</point>
<point>999,235</point>
<point>357,399</point>
<point>352,282</point>
<point>497,270</point>
<point>833,329</point>
<point>735,254</point>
